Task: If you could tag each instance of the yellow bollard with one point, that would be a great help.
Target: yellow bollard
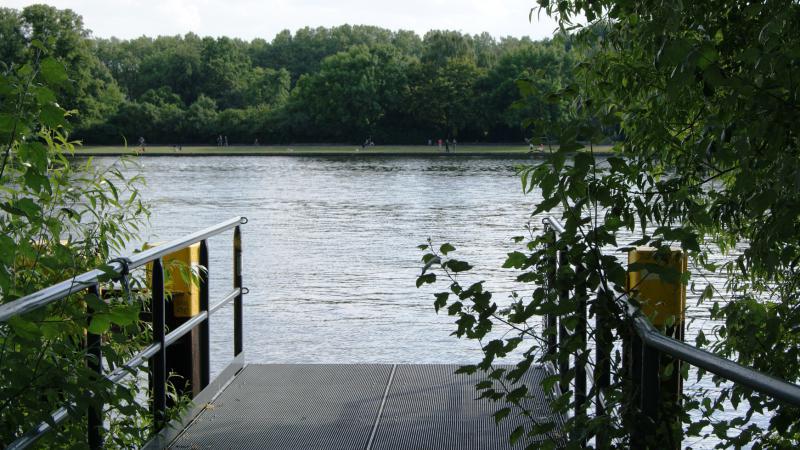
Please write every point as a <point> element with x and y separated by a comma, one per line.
<point>185,293</point>
<point>660,299</point>
<point>664,303</point>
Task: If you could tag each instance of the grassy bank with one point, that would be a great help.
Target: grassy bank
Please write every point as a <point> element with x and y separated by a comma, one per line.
<point>311,150</point>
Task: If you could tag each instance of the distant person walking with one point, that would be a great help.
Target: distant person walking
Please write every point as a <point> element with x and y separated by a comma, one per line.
<point>219,141</point>
<point>226,140</point>
<point>447,146</point>
<point>142,144</point>
<point>454,145</point>
<point>440,144</point>
<point>530,144</point>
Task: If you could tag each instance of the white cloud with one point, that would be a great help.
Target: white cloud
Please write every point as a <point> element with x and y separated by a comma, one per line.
<point>249,19</point>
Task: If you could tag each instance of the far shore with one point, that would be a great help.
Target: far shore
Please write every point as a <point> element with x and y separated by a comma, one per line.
<point>322,150</point>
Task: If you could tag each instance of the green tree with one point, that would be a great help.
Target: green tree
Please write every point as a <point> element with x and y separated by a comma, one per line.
<point>200,124</point>
<point>444,95</point>
<point>93,93</point>
<point>514,91</point>
<point>348,97</point>
<point>706,100</point>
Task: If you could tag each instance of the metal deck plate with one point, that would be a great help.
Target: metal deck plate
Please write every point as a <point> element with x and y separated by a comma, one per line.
<point>324,406</point>
<point>430,407</point>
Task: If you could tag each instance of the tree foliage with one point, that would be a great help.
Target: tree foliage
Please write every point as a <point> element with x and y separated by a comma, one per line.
<point>59,217</point>
<point>705,100</point>
<point>339,84</point>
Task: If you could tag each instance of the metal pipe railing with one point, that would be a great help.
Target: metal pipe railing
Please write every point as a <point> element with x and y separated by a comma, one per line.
<point>87,279</point>
<point>154,353</point>
<point>653,339</point>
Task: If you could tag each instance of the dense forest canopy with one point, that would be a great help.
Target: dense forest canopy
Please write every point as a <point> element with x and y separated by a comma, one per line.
<point>340,84</point>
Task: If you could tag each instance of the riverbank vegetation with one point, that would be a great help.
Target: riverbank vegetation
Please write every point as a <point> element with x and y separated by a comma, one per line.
<point>422,150</point>
<point>60,218</point>
<point>708,102</point>
<point>340,84</point>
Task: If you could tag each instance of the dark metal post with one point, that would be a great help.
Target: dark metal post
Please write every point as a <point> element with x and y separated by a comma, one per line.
<point>237,283</point>
<point>581,355</point>
<point>94,360</point>
<point>634,351</point>
<point>563,335</point>
<point>205,349</point>
<point>602,370</point>
<point>650,398</point>
<point>551,321</point>
<point>158,366</point>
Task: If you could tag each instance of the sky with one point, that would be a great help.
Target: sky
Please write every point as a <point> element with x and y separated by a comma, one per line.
<point>249,19</point>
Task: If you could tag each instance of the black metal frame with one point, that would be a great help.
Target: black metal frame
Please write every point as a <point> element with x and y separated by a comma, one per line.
<point>155,353</point>
<point>648,347</point>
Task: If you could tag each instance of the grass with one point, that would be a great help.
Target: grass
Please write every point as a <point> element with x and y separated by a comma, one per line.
<point>312,150</point>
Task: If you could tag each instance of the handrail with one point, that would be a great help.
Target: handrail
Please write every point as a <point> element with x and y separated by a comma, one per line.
<point>730,370</point>
<point>157,350</point>
<point>554,224</point>
<point>84,280</point>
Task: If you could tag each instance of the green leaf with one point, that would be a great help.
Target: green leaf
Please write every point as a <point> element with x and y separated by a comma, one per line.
<point>516,260</point>
<point>484,385</point>
<point>516,434</point>
<point>99,324</point>
<point>34,153</point>
<point>517,394</point>
<point>708,55</point>
<point>7,123</point>
<point>43,95</point>
<point>446,248</point>
<point>36,181</point>
<point>468,369</point>
<point>24,328</point>
<point>501,414</point>
<point>426,279</point>
<point>29,208</point>
<point>441,300</point>
<point>52,116</point>
<point>53,71</point>
<point>456,265</point>
<point>124,315</point>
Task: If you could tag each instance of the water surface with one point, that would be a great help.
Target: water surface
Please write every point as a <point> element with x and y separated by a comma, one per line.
<point>330,250</point>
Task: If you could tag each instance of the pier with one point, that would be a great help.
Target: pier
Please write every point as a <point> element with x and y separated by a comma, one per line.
<point>353,406</point>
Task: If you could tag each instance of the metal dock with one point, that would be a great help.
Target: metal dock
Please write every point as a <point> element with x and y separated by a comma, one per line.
<point>275,406</point>
<point>358,406</point>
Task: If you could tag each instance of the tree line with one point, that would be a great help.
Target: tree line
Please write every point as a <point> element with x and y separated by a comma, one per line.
<point>339,84</point>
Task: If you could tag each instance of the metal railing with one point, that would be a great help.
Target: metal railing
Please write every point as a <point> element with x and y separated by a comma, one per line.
<point>648,345</point>
<point>155,353</point>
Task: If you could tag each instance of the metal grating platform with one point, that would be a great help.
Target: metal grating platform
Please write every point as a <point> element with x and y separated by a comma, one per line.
<point>347,407</point>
